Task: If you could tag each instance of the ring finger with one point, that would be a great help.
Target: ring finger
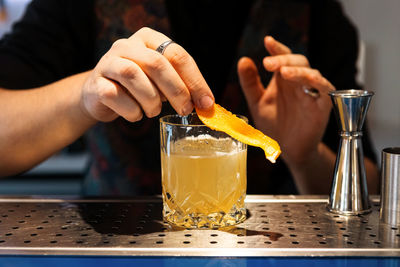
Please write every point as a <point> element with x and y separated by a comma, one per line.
<point>113,96</point>
<point>183,64</point>
<point>129,75</point>
<point>158,70</point>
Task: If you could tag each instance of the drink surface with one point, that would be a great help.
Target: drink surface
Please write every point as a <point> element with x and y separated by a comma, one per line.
<point>204,176</point>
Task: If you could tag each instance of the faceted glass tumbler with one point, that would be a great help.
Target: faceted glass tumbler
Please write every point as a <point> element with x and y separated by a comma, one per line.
<point>203,174</point>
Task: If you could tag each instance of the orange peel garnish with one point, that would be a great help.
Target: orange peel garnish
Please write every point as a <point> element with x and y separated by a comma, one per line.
<point>220,119</point>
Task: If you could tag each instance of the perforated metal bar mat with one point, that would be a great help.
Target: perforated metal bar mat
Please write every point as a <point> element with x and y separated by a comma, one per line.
<point>276,226</point>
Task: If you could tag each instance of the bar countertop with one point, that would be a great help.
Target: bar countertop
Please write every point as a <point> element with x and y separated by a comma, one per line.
<point>276,226</point>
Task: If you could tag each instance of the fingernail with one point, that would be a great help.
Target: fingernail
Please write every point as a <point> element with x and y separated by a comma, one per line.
<point>206,102</point>
<point>187,109</point>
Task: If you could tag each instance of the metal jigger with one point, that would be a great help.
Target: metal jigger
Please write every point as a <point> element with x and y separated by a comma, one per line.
<point>349,193</point>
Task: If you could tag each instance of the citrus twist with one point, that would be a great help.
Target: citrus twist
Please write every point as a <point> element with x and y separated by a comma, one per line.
<point>220,119</point>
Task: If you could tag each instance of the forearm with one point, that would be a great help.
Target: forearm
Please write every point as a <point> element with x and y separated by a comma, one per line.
<point>314,175</point>
<point>36,123</point>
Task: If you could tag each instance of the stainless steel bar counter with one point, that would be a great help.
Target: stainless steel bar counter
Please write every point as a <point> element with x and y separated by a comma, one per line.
<point>277,226</point>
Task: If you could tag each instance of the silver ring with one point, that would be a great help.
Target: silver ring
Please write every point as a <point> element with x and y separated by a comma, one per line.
<point>311,92</point>
<point>163,46</point>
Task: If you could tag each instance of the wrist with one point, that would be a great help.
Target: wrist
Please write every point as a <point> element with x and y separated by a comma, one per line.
<point>305,161</point>
<point>313,174</point>
<point>84,112</point>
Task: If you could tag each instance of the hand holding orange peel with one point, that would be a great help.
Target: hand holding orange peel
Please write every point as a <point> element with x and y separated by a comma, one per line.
<point>220,119</point>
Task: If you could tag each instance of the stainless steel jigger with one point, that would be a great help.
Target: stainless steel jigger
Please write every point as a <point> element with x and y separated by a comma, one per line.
<point>349,193</point>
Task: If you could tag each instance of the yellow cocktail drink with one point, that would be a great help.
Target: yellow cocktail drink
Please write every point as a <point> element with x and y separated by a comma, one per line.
<point>204,181</point>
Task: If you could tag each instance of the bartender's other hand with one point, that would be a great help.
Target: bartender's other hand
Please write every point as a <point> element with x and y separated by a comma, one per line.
<point>283,110</point>
<point>132,78</point>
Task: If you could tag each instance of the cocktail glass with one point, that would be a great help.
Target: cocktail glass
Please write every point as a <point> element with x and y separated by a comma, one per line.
<point>203,174</point>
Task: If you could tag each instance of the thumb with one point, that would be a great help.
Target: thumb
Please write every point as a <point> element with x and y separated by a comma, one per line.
<point>250,80</point>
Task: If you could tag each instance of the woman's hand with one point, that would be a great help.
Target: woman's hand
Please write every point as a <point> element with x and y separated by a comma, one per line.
<point>283,110</point>
<point>132,78</point>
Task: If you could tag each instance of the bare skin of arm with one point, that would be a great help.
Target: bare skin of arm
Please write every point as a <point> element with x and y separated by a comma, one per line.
<point>311,175</point>
<point>40,122</point>
<point>130,80</point>
<point>296,120</point>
